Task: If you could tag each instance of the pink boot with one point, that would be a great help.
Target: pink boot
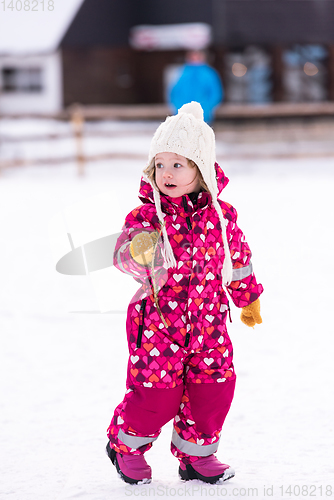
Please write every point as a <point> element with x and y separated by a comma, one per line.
<point>133,469</point>
<point>207,469</point>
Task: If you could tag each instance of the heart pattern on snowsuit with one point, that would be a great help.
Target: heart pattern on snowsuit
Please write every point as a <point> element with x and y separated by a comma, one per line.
<point>195,349</point>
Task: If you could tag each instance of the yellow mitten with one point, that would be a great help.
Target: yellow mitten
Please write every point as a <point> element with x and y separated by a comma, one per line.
<point>250,315</point>
<point>142,247</point>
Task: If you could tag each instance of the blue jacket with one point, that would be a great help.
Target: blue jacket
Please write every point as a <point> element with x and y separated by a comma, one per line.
<point>197,82</point>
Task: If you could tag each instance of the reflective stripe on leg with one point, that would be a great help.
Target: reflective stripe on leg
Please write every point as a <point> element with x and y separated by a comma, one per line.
<point>194,449</point>
<point>134,442</point>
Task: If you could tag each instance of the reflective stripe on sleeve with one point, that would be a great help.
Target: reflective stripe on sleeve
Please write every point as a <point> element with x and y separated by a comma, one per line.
<point>134,442</point>
<point>193,448</point>
<point>242,272</point>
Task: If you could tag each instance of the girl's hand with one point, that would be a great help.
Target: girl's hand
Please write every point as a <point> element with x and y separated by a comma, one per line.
<point>250,315</point>
<point>142,247</point>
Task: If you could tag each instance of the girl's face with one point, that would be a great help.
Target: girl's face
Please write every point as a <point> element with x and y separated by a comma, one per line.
<point>174,175</point>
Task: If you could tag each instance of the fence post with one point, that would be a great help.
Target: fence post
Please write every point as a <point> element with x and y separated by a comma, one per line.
<point>77,121</point>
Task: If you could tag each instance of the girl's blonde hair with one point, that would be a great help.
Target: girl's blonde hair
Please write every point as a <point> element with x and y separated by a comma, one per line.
<point>150,174</point>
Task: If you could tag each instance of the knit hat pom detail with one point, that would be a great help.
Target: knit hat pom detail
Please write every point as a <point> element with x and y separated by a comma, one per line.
<point>192,108</point>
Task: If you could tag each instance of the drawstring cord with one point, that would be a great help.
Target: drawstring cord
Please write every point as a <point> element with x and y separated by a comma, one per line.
<point>154,284</point>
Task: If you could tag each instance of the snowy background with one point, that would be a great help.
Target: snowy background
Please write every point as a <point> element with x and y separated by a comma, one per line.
<point>63,363</point>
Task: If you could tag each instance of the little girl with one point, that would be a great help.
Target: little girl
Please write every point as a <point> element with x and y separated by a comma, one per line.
<point>183,244</point>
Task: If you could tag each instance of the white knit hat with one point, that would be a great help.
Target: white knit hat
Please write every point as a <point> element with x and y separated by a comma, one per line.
<point>188,135</point>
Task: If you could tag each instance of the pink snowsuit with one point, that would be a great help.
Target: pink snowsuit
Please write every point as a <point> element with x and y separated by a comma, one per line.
<point>184,372</point>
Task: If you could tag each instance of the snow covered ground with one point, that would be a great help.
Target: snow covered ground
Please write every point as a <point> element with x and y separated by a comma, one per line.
<point>63,363</point>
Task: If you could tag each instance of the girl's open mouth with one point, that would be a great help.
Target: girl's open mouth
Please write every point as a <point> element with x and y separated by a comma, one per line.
<point>170,186</point>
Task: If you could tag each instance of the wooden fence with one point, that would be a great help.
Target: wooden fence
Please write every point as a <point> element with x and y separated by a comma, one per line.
<point>77,115</point>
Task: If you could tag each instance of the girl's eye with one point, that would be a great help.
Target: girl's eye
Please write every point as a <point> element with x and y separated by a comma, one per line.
<point>159,165</point>
<point>177,165</point>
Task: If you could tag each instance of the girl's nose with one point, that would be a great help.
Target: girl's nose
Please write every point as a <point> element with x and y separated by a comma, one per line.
<point>167,174</point>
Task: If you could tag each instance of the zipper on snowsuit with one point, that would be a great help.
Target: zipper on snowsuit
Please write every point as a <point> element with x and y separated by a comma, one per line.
<point>185,206</point>
<point>229,312</point>
<point>186,209</point>
<point>141,321</point>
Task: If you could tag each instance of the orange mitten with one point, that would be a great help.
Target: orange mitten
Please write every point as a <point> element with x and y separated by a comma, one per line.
<point>250,315</point>
<point>142,247</point>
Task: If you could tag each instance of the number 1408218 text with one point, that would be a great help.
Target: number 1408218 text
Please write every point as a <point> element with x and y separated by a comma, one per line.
<point>28,5</point>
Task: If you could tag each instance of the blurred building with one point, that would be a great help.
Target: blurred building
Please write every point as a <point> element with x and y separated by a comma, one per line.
<point>264,50</point>
<point>31,67</point>
<point>31,83</point>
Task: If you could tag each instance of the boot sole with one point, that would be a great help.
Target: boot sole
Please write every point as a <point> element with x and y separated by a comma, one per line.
<point>113,457</point>
<point>190,473</point>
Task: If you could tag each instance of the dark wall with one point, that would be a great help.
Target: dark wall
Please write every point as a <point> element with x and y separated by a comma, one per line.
<point>243,22</point>
<point>235,22</point>
<point>101,23</point>
<point>108,22</point>
<point>149,68</point>
<point>99,76</point>
<point>114,75</point>
<point>173,11</point>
